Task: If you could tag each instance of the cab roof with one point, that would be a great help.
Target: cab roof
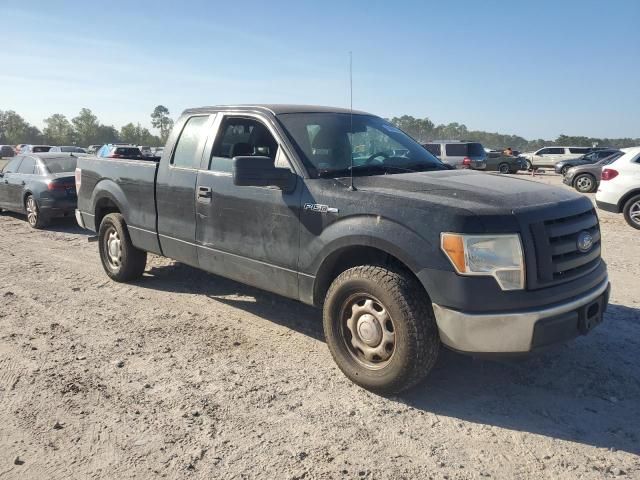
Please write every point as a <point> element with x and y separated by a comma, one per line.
<point>274,109</point>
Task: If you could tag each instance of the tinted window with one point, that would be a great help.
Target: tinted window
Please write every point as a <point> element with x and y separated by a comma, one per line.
<point>185,154</point>
<point>60,164</point>
<point>579,150</point>
<point>476,149</point>
<point>241,137</point>
<point>40,149</point>
<point>6,151</point>
<point>128,152</point>
<point>27,165</point>
<point>551,151</point>
<point>433,148</point>
<point>456,149</point>
<point>12,166</point>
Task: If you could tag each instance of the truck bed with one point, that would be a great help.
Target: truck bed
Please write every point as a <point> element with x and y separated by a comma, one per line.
<point>129,184</point>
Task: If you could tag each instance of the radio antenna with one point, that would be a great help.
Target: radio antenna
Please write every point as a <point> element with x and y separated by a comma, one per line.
<point>351,187</point>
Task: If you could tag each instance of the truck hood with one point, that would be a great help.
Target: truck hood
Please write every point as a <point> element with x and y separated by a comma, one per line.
<point>473,191</point>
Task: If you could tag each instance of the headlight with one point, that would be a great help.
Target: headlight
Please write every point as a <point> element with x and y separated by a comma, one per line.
<point>498,256</point>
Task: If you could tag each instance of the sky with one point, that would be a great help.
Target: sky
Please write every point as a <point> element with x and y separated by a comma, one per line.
<point>532,68</point>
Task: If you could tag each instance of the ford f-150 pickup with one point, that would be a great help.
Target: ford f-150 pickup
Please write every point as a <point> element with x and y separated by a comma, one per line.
<point>344,211</point>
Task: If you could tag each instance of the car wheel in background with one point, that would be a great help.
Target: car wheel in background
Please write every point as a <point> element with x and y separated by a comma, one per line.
<point>632,212</point>
<point>380,328</point>
<point>35,218</point>
<point>529,165</point>
<point>585,183</point>
<point>504,168</point>
<point>120,259</point>
<point>564,170</point>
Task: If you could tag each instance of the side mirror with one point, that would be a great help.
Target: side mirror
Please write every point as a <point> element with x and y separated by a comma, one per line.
<point>261,172</point>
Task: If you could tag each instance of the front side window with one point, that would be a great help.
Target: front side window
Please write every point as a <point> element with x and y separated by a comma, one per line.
<point>331,143</point>
<point>433,148</point>
<point>241,137</point>
<point>27,165</point>
<point>579,150</point>
<point>186,152</point>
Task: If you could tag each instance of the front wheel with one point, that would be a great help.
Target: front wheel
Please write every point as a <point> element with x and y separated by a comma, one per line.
<point>120,259</point>
<point>632,212</point>
<point>564,170</point>
<point>380,328</point>
<point>529,165</point>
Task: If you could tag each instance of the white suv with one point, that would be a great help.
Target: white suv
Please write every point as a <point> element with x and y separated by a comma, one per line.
<point>549,156</point>
<point>619,189</point>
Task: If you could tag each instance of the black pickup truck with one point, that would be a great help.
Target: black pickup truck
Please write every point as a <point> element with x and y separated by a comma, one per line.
<point>344,211</point>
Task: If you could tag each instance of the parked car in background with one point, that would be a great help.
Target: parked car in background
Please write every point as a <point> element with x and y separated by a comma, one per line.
<point>19,147</point>
<point>7,151</point>
<point>40,185</point>
<point>590,158</point>
<point>145,150</point>
<point>549,156</point>
<point>157,152</point>
<point>93,149</point>
<point>459,154</point>
<point>586,178</point>
<point>498,162</point>
<point>120,151</point>
<point>35,149</point>
<point>67,149</point>
<point>619,190</point>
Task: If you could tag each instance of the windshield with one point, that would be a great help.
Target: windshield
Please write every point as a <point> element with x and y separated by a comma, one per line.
<point>61,164</point>
<point>328,147</point>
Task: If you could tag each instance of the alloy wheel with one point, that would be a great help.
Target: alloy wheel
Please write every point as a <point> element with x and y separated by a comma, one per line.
<point>634,212</point>
<point>32,211</point>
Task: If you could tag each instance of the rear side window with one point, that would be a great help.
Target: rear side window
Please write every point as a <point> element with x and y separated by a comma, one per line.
<point>27,165</point>
<point>433,148</point>
<point>552,151</point>
<point>12,166</point>
<point>185,154</point>
<point>579,150</point>
<point>128,151</point>
<point>41,149</point>
<point>476,149</point>
<point>456,149</point>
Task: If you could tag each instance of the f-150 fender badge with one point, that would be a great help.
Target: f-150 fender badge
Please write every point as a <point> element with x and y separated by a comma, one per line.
<point>316,207</point>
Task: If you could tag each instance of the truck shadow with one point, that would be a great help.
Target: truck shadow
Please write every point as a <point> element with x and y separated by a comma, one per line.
<point>585,391</point>
<point>62,224</point>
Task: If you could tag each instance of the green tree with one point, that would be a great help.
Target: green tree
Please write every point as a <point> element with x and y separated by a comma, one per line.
<point>14,129</point>
<point>106,134</point>
<point>138,135</point>
<point>421,129</point>
<point>160,119</point>
<point>58,130</point>
<point>86,126</point>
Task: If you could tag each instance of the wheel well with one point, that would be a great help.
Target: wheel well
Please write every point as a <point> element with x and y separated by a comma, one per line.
<point>623,201</point>
<point>349,257</point>
<point>24,197</point>
<point>104,207</point>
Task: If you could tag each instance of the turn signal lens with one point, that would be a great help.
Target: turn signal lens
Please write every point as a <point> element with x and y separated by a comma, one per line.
<point>453,246</point>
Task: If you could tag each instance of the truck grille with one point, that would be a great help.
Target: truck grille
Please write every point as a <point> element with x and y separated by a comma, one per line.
<point>558,258</point>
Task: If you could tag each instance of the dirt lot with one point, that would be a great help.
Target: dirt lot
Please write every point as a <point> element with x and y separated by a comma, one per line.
<point>187,375</point>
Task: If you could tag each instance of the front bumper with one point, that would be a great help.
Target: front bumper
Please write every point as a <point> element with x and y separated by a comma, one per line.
<point>522,331</point>
<point>568,180</point>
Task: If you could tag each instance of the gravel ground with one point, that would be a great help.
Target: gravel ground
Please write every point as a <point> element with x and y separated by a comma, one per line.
<point>187,375</point>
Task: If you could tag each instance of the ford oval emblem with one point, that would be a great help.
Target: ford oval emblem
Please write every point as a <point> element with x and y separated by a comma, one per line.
<point>585,241</point>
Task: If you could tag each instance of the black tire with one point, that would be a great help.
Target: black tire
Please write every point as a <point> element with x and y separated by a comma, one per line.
<point>504,168</point>
<point>120,259</point>
<point>35,218</point>
<point>632,212</point>
<point>529,165</point>
<point>585,183</point>
<point>564,170</point>
<point>405,304</point>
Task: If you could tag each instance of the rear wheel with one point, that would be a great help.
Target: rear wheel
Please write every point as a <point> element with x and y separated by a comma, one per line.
<point>632,212</point>
<point>35,218</point>
<point>504,168</point>
<point>120,259</point>
<point>585,183</point>
<point>380,328</point>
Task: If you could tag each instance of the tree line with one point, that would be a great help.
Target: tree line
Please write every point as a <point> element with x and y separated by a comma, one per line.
<point>85,129</point>
<point>82,130</point>
<point>424,130</point>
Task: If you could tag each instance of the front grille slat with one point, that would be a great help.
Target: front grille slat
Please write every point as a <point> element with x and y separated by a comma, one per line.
<point>558,258</point>
<point>573,226</point>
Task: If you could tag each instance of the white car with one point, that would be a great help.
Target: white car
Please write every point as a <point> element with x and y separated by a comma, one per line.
<point>549,156</point>
<point>619,190</point>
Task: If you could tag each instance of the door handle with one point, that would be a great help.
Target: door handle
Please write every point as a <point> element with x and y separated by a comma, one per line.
<point>204,192</point>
